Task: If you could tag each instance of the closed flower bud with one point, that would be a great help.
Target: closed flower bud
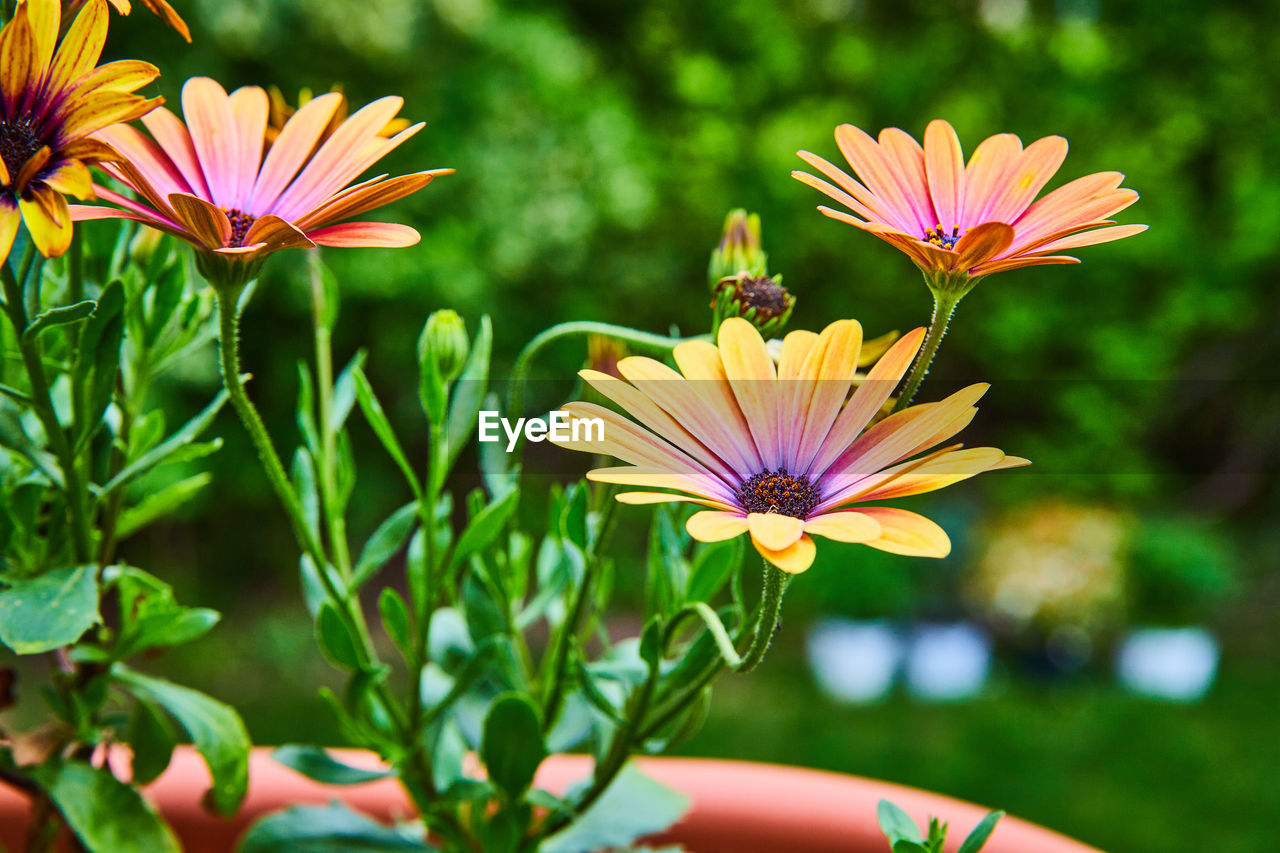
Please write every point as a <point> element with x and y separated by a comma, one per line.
<point>445,341</point>
<point>739,250</point>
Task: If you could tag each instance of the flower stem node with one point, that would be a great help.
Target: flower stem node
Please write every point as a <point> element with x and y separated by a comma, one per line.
<point>739,250</point>
<point>760,300</point>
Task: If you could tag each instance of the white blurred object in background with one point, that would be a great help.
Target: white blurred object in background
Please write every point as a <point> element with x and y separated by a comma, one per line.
<point>948,662</point>
<point>1168,663</point>
<point>854,661</point>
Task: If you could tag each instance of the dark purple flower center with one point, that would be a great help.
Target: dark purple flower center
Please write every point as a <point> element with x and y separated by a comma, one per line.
<point>941,239</point>
<point>780,492</point>
<point>18,144</point>
<point>241,222</point>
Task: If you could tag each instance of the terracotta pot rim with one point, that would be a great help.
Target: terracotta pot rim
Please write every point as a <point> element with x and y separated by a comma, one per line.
<point>737,806</point>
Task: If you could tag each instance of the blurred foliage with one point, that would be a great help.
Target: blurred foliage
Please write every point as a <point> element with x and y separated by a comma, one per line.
<point>598,147</point>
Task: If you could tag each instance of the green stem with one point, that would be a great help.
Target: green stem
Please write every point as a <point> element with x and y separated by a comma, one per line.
<point>775,584</point>
<point>42,401</point>
<point>524,361</point>
<point>944,305</point>
<point>335,520</point>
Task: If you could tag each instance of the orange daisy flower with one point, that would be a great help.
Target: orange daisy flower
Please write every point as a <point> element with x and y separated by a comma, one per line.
<point>209,182</point>
<point>782,453</point>
<point>968,221</point>
<point>53,96</point>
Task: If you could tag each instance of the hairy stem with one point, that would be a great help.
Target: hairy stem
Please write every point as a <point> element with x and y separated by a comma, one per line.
<point>944,305</point>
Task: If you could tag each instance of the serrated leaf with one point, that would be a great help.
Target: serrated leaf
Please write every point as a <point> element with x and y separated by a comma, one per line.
<point>316,763</point>
<point>215,728</point>
<point>49,611</point>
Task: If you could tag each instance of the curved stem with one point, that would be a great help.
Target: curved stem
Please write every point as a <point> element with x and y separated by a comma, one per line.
<point>524,361</point>
<point>944,305</point>
<point>775,584</point>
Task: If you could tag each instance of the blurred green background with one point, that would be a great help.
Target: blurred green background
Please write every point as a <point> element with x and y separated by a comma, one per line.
<point>598,146</point>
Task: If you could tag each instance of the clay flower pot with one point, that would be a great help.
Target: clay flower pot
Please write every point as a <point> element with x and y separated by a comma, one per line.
<point>738,806</point>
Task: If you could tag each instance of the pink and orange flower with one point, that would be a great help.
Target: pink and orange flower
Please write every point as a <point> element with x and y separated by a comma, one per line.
<point>969,220</point>
<point>783,453</point>
<point>216,184</point>
<point>54,97</point>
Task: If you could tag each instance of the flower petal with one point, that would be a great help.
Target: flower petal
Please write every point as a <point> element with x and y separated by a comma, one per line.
<point>846,526</point>
<point>366,198</point>
<point>1023,182</point>
<point>81,46</point>
<point>48,221</point>
<point>173,137</point>
<point>382,235</point>
<point>712,526</point>
<point>944,166</point>
<point>794,559</point>
<point>9,221</point>
<point>982,243</point>
<point>204,220</point>
<point>821,392</point>
<point>212,126</point>
<point>774,531</point>
<point>276,234</point>
<point>1092,238</point>
<point>249,105</point>
<point>71,177</point>
<point>870,162</point>
<point>907,533</point>
<point>984,174</point>
<point>905,159</point>
<point>657,478</point>
<point>645,498</point>
<point>752,377</point>
<point>296,142</point>
<point>867,400</point>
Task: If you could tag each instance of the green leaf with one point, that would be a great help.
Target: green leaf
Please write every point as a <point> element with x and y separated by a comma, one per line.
<point>316,763</point>
<point>49,611</point>
<point>215,728</point>
<point>712,567</point>
<point>107,815</point>
<point>59,317</point>
<point>395,619</point>
<point>97,358</point>
<point>385,542</point>
<point>344,392</point>
<point>151,739</point>
<point>151,617</point>
<point>513,746</point>
<point>381,426</point>
<point>904,846</point>
<point>163,452</point>
<point>159,504</point>
<point>632,807</point>
<point>485,615</point>
<point>324,829</point>
<point>896,824</point>
<point>335,639</point>
<point>484,528</point>
<point>973,843</point>
<point>470,389</point>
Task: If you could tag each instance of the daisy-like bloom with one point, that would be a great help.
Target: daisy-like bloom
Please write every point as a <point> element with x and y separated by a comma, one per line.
<point>959,222</point>
<point>54,96</point>
<point>784,454</point>
<point>210,183</point>
<point>159,8</point>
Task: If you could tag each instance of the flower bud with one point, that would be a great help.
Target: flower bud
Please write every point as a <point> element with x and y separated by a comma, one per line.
<point>444,339</point>
<point>760,300</point>
<point>739,250</point>
<point>143,246</point>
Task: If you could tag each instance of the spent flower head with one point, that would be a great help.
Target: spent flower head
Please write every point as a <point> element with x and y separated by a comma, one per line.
<point>961,222</point>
